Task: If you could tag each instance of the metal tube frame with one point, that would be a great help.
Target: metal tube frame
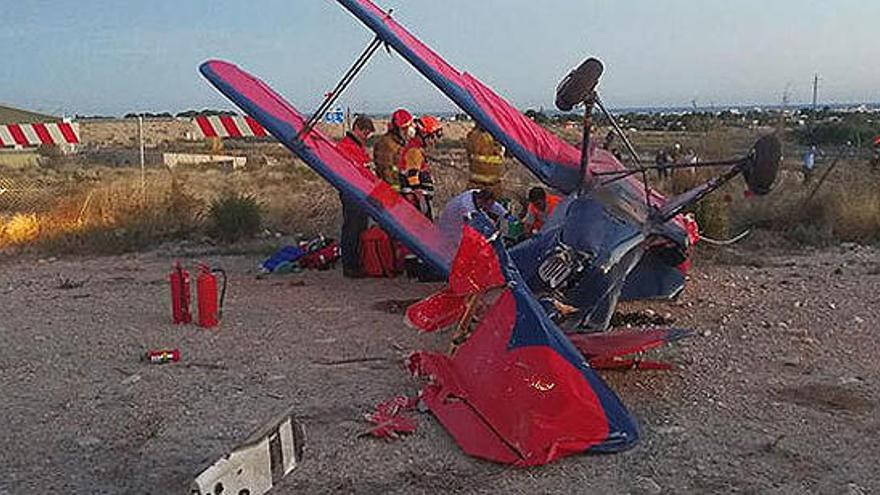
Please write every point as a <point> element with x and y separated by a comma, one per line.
<point>585,142</point>
<point>343,83</point>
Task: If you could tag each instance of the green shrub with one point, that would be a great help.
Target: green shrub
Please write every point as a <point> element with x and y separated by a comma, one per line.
<point>234,216</point>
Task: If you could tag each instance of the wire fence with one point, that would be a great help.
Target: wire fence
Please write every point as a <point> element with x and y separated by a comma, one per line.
<point>26,195</point>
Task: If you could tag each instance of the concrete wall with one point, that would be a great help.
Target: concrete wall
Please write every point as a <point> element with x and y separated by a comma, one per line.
<point>172,160</point>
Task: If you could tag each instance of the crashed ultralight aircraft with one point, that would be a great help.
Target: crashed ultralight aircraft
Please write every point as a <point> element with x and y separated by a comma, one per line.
<point>517,389</point>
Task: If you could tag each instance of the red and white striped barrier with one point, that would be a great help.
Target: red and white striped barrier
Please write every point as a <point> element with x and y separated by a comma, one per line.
<point>37,134</point>
<point>225,126</point>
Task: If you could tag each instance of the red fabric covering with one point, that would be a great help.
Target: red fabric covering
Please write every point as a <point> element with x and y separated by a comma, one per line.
<point>526,132</point>
<point>475,269</point>
<point>526,406</point>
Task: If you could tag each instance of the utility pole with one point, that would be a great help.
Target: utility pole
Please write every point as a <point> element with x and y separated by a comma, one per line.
<point>815,91</point>
<point>780,126</point>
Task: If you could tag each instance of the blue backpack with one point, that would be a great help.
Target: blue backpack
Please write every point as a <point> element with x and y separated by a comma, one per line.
<point>287,254</point>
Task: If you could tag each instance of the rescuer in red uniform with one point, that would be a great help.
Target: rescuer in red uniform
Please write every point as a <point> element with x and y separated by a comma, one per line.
<point>354,219</point>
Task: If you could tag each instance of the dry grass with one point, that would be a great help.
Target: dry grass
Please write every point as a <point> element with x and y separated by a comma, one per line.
<point>106,211</point>
<point>21,228</point>
<point>109,217</point>
<point>845,209</point>
<point>114,214</point>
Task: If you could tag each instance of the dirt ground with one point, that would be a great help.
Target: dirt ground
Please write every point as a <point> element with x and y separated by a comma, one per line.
<point>776,393</point>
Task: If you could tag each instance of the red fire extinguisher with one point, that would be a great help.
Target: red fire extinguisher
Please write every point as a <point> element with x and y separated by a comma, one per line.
<point>179,278</point>
<point>210,307</point>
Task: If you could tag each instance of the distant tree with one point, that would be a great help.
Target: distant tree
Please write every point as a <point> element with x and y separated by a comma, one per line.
<point>206,112</point>
<point>570,117</point>
<point>537,116</point>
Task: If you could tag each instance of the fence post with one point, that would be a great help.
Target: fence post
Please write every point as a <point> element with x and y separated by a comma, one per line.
<point>143,167</point>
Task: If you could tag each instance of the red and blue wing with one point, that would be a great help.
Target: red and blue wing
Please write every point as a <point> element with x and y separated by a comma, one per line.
<point>517,391</point>
<point>554,161</point>
<point>283,121</point>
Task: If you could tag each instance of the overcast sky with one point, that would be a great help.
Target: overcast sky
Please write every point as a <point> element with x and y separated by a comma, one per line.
<point>112,57</point>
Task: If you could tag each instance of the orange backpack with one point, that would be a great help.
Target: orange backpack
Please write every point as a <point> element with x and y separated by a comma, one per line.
<point>377,253</point>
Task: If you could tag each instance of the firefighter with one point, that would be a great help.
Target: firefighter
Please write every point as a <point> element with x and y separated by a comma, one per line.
<point>354,219</point>
<point>387,150</point>
<point>416,180</point>
<point>486,159</point>
<point>541,206</point>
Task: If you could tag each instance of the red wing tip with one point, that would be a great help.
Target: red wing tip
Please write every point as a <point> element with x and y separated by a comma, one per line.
<point>215,64</point>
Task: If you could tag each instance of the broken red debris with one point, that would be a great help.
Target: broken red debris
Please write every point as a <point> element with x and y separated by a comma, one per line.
<point>390,424</point>
<point>437,311</point>
<point>475,270</point>
<point>606,351</point>
<point>619,342</point>
<point>560,407</point>
<point>471,391</point>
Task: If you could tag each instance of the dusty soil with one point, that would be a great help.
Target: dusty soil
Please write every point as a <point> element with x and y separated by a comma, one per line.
<point>777,392</point>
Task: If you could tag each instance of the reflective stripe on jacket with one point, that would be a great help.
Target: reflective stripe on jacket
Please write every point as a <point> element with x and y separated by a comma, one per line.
<point>415,173</point>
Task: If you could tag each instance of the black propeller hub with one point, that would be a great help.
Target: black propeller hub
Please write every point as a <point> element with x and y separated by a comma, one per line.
<point>578,84</point>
